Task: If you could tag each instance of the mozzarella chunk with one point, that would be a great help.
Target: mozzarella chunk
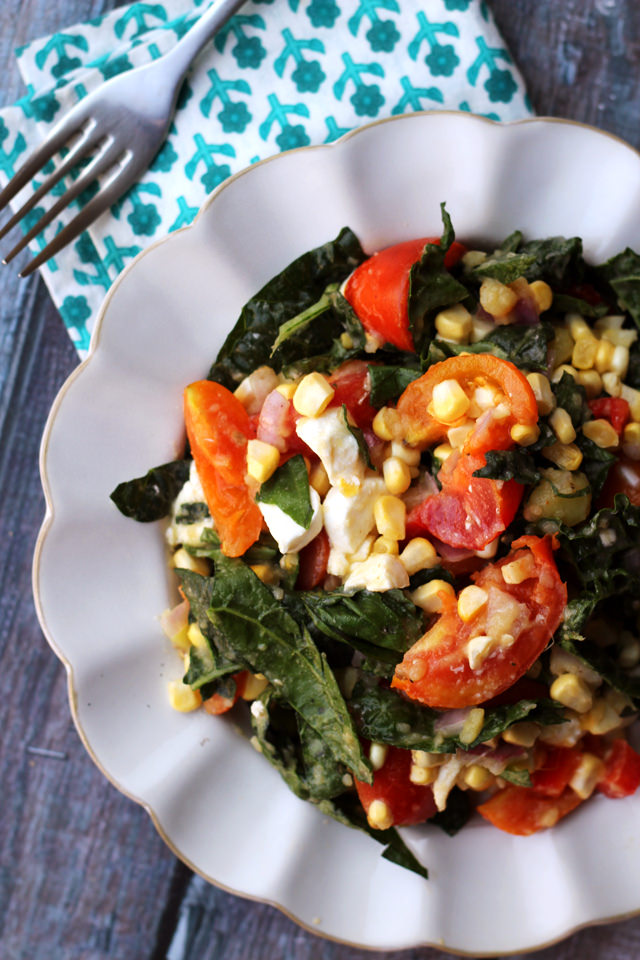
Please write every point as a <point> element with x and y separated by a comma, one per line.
<point>188,533</point>
<point>289,535</point>
<point>380,571</point>
<point>332,441</point>
<point>349,520</point>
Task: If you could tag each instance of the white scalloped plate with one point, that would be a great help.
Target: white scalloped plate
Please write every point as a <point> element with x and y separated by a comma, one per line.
<point>100,580</point>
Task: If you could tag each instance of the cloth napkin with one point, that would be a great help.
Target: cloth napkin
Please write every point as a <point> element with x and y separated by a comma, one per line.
<point>281,74</point>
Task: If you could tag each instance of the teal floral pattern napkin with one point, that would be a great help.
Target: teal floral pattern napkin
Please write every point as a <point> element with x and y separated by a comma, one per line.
<point>281,74</point>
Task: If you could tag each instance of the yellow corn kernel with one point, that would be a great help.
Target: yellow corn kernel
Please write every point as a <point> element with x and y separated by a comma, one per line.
<point>545,397</point>
<point>591,381</point>
<point>632,397</point>
<point>287,390</point>
<point>422,758</point>
<point>426,597</point>
<point>584,352</point>
<point>601,433</point>
<point>408,455</point>
<point>372,343</point>
<point>471,600</point>
<point>265,572</point>
<point>572,692</point>
<point>586,777</point>
<point>449,402</point>
<point>631,441</point>
<point>561,347</point>
<point>386,424</point>
<point>557,374</point>
<point>319,479</point>
<point>254,686</point>
<point>262,460</point>
<point>562,425</point>
<point>620,338</point>
<point>629,655</point>
<point>610,322</point>
<point>183,560</point>
<point>542,295</point>
<point>182,697</point>
<point>612,384</point>
<point>252,391</point>
<point>477,777</point>
<point>454,324</point>
<point>478,649</point>
<point>390,515</point>
<point>617,700</point>
<point>346,340</point>
<point>442,451</point>
<point>397,475</point>
<point>601,718</point>
<point>620,362</point>
<point>604,356</point>
<point>196,636</point>
<point>480,329</point>
<point>567,456</point>
<point>313,395</point>
<point>565,734</point>
<point>519,570</point>
<point>522,734</point>
<point>377,755</point>
<point>561,661</point>
<point>457,435</point>
<point>385,545</point>
<point>578,327</point>
<point>496,298</point>
<point>472,725</point>
<point>473,258</point>
<point>419,554</point>
<point>379,815</point>
<point>524,434</point>
<point>423,775</point>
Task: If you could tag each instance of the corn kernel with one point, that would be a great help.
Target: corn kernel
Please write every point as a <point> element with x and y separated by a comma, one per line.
<point>196,636</point>
<point>419,554</point>
<point>601,433</point>
<point>254,686</point>
<point>524,434</point>
<point>457,435</point>
<point>313,395</point>
<point>488,552</point>
<point>385,545</point>
<point>522,734</point>
<point>611,383</point>
<point>319,479</point>
<point>426,597</point>
<point>591,381</point>
<point>632,397</point>
<point>542,295</point>
<point>584,352</point>
<point>378,755</point>
<point>262,460</point>
<point>586,777</point>
<point>252,391</point>
<point>562,425</point>
<point>601,718</point>
<point>372,343</point>
<point>471,600</point>
<point>561,661</point>
<point>557,374</point>
<point>496,298</point>
<point>397,475</point>
<point>423,776</point>
<point>183,560</point>
<point>572,692</point>
<point>604,355</point>
<point>478,649</point>
<point>480,329</point>
<point>561,347</point>
<point>346,340</point>
<point>565,734</point>
<point>620,362</point>
<point>473,258</point>
<point>545,397</point>
<point>477,777</point>
<point>182,697</point>
<point>578,327</point>
<point>454,324</point>
<point>408,455</point>
<point>519,570</point>
<point>422,758</point>
<point>386,424</point>
<point>472,725</point>
<point>390,515</point>
<point>610,322</point>
<point>620,338</point>
<point>287,390</point>
<point>631,441</point>
<point>449,402</point>
<point>442,451</point>
<point>629,655</point>
<point>617,700</point>
<point>567,456</point>
<point>379,815</point>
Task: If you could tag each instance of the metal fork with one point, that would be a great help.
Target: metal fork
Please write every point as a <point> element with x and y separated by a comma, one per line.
<point>120,126</point>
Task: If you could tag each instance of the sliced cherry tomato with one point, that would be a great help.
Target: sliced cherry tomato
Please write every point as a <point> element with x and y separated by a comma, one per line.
<point>614,409</point>
<point>522,811</point>
<point>226,698</point>
<point>621,775</point>
<point>558,767</point>
<point>436,670</point>
<point>351,385</point>
<point>218,428</point>
<point>313,562</point>
<point>407,802</point>
<point>378,290</point>
<point>468,511</point>
<point>623,477</point>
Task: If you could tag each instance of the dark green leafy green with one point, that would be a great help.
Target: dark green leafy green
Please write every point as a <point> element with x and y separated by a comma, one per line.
<point>192,513</point>
<point>595,464</point>
<point>505,266</point>
<point>520,778</point>
<point>516,464</point>
<point>388,382</point>
<point>206,663</point>
<point>622,275</point>
<point>150,497</point>
<point>525,346</point>
<point>632,378</point>
<point>512,243</point>
<point>358,436</point>
<point>288,489</point>
<point>564,303</point>
<point>349,340</point>
<point>600,660</point>
<point>556,260</point>
<point>456,813</point>
<point>301,320</point>
<point>571,396</point>
<point>292,291</point>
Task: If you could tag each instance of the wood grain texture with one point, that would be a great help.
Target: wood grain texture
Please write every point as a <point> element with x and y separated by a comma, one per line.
<point>82,872</point>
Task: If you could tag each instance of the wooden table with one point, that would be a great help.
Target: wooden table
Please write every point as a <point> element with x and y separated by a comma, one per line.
<point>83,873</point>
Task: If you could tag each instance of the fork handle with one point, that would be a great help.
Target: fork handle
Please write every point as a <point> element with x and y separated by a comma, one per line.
<point>186,50</point>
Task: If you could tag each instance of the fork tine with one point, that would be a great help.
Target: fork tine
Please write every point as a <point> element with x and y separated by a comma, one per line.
<point>107,196</point>
<point>100,164</point>
<point>60,135</point>
<point>75,155</point>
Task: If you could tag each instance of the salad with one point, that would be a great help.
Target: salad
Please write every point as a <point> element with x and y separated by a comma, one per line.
<point>406,531</point>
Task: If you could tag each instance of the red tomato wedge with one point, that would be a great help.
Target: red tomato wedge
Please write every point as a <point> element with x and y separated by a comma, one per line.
<point>407,802</point>
<point>436,670</point>
<point>218,428</point>
<point>621,775</point>
<point>351,385</point>
<point>614,409</point>
<point>623,477</point>
<point>378,290</point>
<point>556,770</point>
<point>468,511</point>
<point>522,811</point>
<point>220,703</point>
<point>313,562</point>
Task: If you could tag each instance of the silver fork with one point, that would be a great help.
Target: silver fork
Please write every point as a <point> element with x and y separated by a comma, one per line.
<point>121,126</point>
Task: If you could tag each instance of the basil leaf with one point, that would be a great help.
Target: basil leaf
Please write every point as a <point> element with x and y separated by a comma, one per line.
<point>516,464</point>
<point>388,382</point>
<point>520,778</point>
<point>358,436</point>
<point>255,628</point>
<point>288,489</point>
<point>622,274</point>
<point>292,291</point>
<point>150,497</point>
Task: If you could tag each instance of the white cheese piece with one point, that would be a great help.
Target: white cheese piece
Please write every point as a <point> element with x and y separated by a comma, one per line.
<point>349,520</point>
<point>380,571</point>
<point>289,535</point>
<point>332,441</point>
<point>188,534</point>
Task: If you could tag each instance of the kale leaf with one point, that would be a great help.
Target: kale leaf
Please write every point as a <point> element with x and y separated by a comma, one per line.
<point>150,497</point>
<point>516,464</point>
<point>288,489</point>
<point>622,275</point>
<point>206,663</point>
<point>557,260</point>
<point>523,345</point>
<point>388,382</point>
